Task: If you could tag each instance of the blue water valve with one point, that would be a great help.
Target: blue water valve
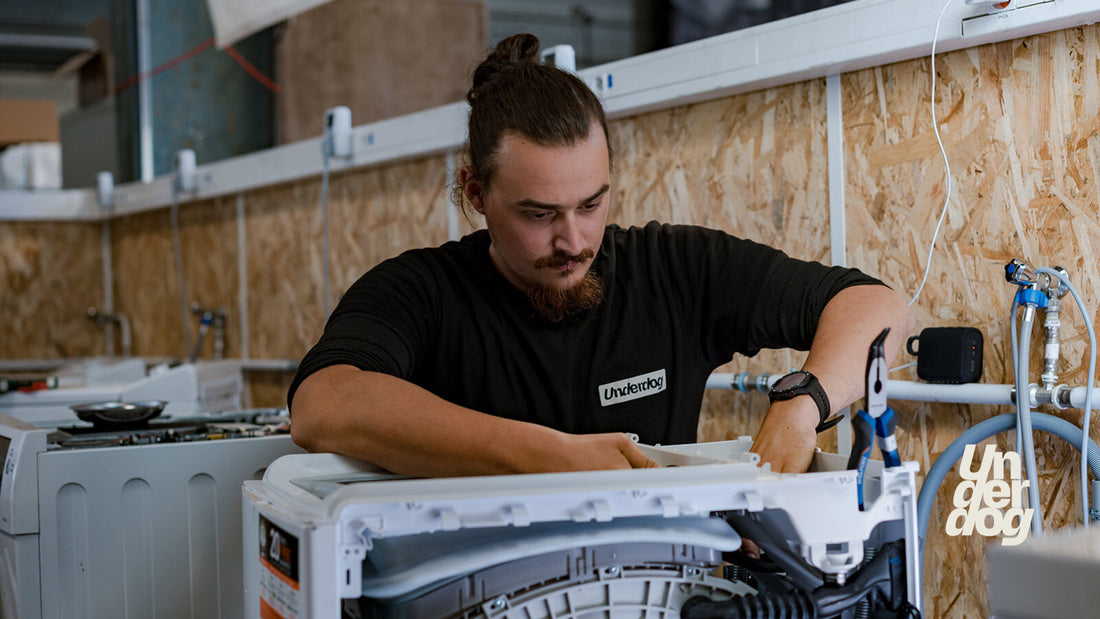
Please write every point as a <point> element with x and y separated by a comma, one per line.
<point>1031,297</point>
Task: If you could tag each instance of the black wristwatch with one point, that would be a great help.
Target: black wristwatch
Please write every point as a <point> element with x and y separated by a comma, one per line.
<point>803,383</point>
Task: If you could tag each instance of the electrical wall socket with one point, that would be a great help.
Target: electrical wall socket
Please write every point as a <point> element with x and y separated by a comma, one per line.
<point>560,56</point>
<point>338,132</point>
<point>105,189</point>
<point>186,177</point>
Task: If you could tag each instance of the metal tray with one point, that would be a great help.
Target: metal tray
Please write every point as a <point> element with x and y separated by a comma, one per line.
<point>119,413</point>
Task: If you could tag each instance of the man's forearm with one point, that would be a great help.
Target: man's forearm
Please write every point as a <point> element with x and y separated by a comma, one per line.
<point>838,357</point>
<point>406,429</point>
<point>850,322</point>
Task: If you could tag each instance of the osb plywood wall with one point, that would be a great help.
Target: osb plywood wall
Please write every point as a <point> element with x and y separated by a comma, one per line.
<point>1021,127</point>
<point>373,214</point>
<point>1020,123</point>
<point>146,287</point>
<point>377,58</point>
<point>50,273</point>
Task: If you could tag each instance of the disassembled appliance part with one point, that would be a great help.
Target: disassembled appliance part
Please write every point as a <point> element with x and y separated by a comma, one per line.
<point>327,534</point>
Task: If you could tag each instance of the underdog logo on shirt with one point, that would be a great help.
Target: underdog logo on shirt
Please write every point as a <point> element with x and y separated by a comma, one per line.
<point>629,389</point>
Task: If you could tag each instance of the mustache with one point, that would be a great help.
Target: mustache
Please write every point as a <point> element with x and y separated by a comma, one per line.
<point>561,258</point>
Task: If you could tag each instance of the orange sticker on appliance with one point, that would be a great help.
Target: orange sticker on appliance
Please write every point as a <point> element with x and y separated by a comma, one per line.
<point>280,596</point>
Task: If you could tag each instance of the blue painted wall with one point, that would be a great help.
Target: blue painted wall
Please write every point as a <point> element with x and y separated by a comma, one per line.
<point>208,103</point>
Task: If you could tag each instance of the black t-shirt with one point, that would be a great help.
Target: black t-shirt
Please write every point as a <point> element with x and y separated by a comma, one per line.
<point>679,302</point>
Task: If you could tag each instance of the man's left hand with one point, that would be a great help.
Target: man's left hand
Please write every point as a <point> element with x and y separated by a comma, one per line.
<point>838,357</point>
<point>788,436</point>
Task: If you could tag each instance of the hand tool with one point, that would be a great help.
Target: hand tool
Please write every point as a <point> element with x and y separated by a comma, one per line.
<point>877,421</point>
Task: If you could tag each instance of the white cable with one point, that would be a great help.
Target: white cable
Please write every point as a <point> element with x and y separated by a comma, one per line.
<point>326,303</point>
<point>943,151</point>
<point>177,250</point>
<point>902,367</point>
<point>1023,422</point>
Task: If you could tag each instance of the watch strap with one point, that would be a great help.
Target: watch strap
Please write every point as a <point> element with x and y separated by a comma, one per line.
<point>828,423</point>
<point>811,387</point>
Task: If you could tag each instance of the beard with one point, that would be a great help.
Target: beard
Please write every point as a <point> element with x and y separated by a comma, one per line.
<point>554,304</point>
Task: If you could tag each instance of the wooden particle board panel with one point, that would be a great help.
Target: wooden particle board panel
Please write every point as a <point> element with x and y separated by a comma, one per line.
<point>208,233</point>
<point>381,59</point>
<point>373,214</point>
<point>283,257</point>
<point>146,282</point>
<point>1019,121</point>
<point>384,212</point>
<point>268,389</point>
<point>50,273</point>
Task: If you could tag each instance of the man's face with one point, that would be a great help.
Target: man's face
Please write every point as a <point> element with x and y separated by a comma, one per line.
<point>545,209</point>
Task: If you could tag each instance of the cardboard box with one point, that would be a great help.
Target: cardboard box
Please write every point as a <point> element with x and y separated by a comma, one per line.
<point>28,120</point>
<point>95,67</point>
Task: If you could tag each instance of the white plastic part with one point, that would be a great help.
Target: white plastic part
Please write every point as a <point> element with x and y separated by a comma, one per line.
<point>994,6</point>
<point>186,176</point>
<point>650,593</point>
<point>560,56</point>
<point>105,189</point>
<point>338,131</point>
<point>333,512</point>
<point>401,566</point>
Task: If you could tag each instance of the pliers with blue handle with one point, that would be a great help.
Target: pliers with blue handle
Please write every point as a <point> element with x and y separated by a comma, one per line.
<point>877,422</point>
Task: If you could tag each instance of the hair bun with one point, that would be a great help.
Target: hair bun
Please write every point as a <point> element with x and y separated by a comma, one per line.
<point>517,48</point>
<point>514,51</point>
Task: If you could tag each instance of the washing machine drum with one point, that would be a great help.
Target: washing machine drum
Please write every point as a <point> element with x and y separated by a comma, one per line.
<point>634,567</point>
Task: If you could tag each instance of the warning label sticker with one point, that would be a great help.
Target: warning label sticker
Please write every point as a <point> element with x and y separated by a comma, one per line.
<point>280,597</point>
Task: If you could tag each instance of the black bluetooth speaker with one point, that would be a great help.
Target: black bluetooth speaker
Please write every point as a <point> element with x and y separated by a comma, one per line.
<point>948,354</point>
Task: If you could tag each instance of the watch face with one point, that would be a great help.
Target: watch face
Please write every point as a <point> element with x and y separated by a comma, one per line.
<point>793,380</point>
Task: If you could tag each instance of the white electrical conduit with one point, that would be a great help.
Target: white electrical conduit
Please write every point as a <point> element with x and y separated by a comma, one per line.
<point>914,391</point>
<point>126,334</point>
<point>326,148</point>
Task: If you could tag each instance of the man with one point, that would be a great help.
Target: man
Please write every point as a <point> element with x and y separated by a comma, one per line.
<point>534,345</point>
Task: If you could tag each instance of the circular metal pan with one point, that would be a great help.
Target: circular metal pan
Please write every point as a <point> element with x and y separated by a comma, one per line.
<point>119,413</point>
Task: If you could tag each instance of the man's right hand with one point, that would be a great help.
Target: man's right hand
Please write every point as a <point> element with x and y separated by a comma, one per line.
<point>614,450</point>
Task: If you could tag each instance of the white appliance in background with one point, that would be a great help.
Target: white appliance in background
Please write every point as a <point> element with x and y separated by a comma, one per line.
<point>323,532</point>
<point>141,522</point>
<point>1052,576</point>
<point>189,389</point>
<point>101,371</point>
